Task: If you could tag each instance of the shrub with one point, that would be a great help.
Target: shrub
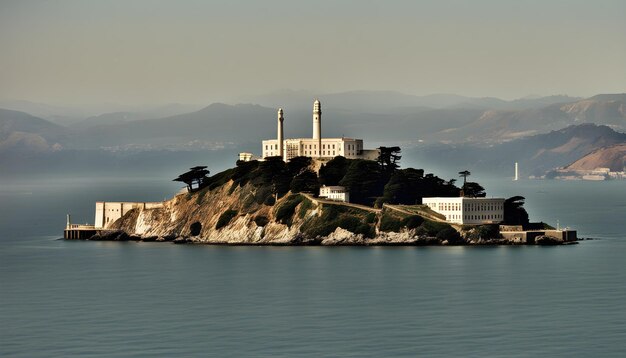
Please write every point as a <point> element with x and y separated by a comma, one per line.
<point>484,232</point>
<point>432,228</point>
<point>261,220</point>
<point>449,234</point>
<point>390,223</point>
<point>219,179</point>
<point>270,201</point>
<point>262,193</point>
<point>366,230</point>
<point>413,221</point>
<point>200,195</point>
<point>334,216</point>
<point>225,218</point>
<point>370,218</point>
<point>285,211</point>
<point>348,222</point>
<point>304,207</point>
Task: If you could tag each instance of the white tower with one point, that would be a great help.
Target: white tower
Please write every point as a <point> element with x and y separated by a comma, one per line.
<point>516,172</point>
<point>317,125</point>
<point>281,151</point>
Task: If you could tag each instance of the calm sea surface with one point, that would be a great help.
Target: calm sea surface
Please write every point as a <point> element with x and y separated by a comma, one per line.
<point>105,299</point>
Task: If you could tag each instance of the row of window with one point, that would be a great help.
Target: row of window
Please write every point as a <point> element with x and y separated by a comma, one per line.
<point>312,146</point>
<point>467,207</point>
<point>474,217</point>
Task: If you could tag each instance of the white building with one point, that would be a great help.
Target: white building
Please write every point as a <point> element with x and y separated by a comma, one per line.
<point>315,147</point>
<point>247,156</point>
<point>462,210</point>
<point>108,212</point>
<point>337,193</point>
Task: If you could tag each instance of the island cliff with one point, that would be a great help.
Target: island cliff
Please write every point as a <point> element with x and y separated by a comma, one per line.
<point>269,203</point>
<point>234,215</point>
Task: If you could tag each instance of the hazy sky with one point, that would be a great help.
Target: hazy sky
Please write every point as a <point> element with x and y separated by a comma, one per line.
<point>150,51</point>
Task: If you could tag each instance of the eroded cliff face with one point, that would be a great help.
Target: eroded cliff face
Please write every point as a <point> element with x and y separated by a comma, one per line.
<point>194,218</point>
<point>243,215</point>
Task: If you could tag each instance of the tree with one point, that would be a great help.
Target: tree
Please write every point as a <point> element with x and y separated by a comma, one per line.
<point>364,181</point>
<point>474,190</point>
<point>305,181</point>
<point>332,172</point>
<point>514,212</point>
<point>464,174</point>
<point>402,187</point>
<point>297,165</point>
<point>388,158</point>
<point>195,176</point>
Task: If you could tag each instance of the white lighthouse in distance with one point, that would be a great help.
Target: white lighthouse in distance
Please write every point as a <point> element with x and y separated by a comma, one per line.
<point>317,124</point>
<point>516,178</point>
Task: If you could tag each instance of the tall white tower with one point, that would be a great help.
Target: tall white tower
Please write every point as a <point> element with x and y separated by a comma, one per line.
<point>516,172</point>
<point>281,151</point>
<point>317,125</point>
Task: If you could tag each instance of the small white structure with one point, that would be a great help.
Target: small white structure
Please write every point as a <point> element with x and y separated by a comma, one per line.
<point>315,147</point>
<point>108,212</point>
<point>337,193</point>
<point>247,156</point>
<point>463,210</point>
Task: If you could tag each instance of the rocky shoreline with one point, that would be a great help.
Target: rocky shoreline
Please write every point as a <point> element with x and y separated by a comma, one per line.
<point>119,235</point>
<point>231,214</point>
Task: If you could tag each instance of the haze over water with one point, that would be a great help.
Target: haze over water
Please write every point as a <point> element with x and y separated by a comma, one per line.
<point>100,299</point>
<point>72,61</point>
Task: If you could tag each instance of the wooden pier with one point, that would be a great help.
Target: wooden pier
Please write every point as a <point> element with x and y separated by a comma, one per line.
<point>80,232</point>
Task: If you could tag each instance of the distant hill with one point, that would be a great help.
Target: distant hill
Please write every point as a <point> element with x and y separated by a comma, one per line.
<point>15,121</point>
<point>504,125</point>
<point>535,154</point>
<point>215,123</point>
<point>167,110</point>
<point>381,101</point>
<point>613,157</point>
<point>22,133</point>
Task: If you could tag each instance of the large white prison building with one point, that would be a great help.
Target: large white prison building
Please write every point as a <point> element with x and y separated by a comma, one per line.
<point>473,211</point>
<point>315,147</point>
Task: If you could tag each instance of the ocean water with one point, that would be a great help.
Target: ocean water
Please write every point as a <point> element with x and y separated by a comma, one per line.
<point>106,299</point>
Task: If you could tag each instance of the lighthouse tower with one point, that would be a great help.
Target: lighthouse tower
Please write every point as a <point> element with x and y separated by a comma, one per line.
<point>317,125</point>
<point>280,136</point>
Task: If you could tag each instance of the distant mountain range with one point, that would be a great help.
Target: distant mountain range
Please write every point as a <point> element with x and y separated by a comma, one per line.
<point>456,130</point>
<point>375,116</point>
<point>535,154</point>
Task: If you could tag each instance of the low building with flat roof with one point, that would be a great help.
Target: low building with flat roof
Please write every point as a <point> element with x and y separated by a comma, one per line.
<point>338,193</point>
<point>468,211</point>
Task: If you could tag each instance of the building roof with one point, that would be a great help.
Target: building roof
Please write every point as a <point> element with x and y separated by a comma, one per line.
<point>344,139</point>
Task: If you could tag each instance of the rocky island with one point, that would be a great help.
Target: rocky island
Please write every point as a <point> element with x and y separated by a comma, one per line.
<point>273,202</point>
<point>321,191</point>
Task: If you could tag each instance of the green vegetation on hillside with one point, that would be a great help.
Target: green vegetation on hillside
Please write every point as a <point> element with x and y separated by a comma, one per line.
<point>371,183</point>
<point>333,216</point>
